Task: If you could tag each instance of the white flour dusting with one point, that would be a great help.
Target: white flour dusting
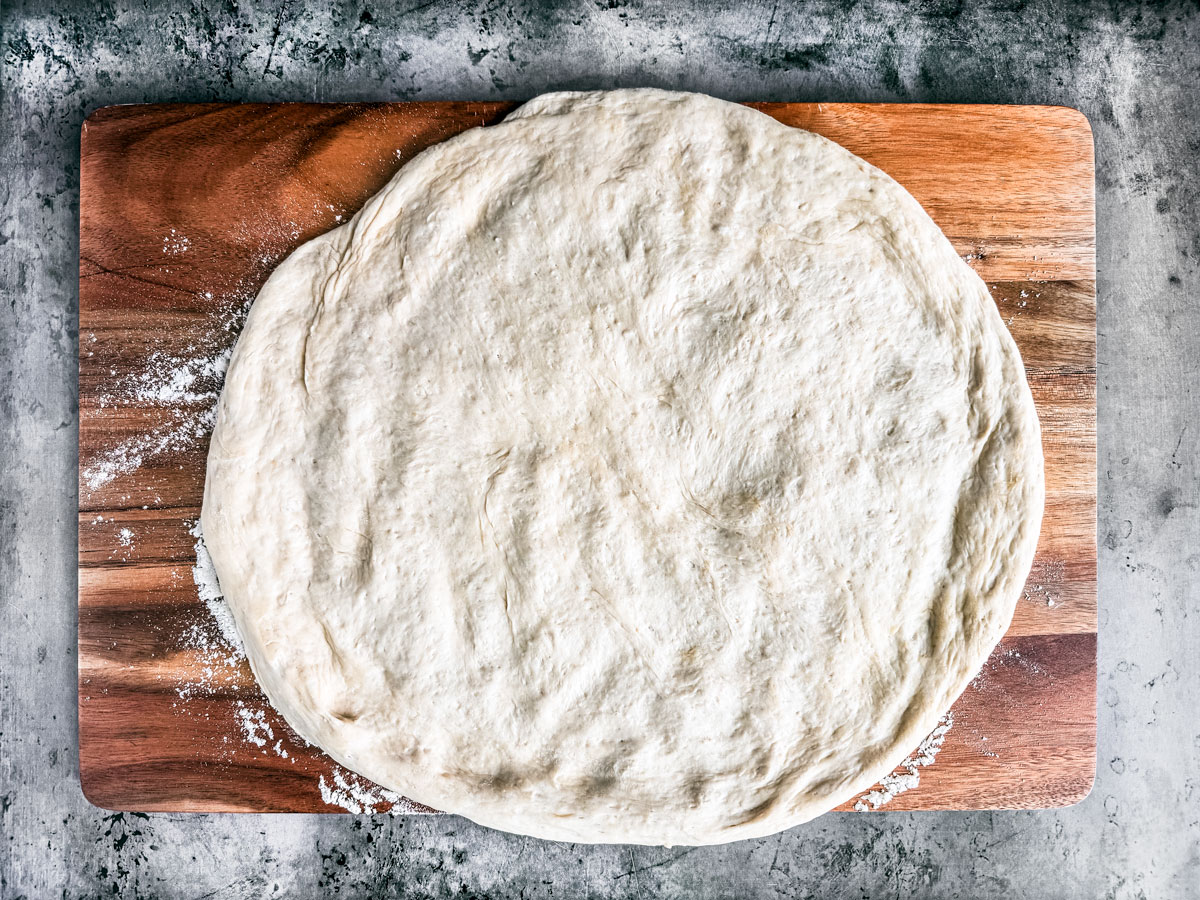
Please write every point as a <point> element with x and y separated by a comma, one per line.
<point>893,785</point>
<point>1013,656</point>
<point>175,243</point>
<point>344,789</point>
<point>1000,659</point>
<point>1021,301</point>
<point>124,548</point>
<point>1041,594</point>
<point>170,380</point>
<point>131,454</point>
<point>355,795</point>
<point>204,573</point>
<point>215,641</point>
<point>219,664</point>
<point>255,727</point>
<point>185,386</point>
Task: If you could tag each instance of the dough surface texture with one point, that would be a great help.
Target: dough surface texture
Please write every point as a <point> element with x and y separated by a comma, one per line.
<point>638,469</point>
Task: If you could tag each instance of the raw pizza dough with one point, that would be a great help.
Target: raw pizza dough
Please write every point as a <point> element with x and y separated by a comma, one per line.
<point>638,469</point>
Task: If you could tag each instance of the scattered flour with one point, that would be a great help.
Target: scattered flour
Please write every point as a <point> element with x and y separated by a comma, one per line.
<point>169,380</point>
<point>1041,593</point>
<point>204,573</point>
<point>358,796</point>
<point>175,243</point>
<point>220,665</point>
<point>184,386</point>
<point>981,750</point>
<point>1002,658</point>
<point>214,641</point>
<point>129,455</point>
<point>124,548</point>
<point>187,389</point>
<point>1048,589</point>
<point>893,785</point>
<point>255,727</point>
<point>1021,300</point>
<point>1013,656</point>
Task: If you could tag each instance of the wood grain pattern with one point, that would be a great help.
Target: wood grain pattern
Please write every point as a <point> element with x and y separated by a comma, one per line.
<point>242,185</point>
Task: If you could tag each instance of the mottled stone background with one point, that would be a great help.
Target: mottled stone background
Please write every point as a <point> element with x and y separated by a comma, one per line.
<point>1134,70</point>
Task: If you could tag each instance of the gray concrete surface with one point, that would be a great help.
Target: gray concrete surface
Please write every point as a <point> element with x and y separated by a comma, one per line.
<point>1135,71</point>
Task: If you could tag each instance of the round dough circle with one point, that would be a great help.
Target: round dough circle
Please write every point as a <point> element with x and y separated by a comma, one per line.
<point>639,469</point>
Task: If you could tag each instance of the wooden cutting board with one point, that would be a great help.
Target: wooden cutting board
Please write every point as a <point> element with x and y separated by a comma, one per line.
<point>184,211</point>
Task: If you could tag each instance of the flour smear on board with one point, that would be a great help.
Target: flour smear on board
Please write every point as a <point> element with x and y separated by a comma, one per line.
<point>184,387</point>
<point>909,776</point>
